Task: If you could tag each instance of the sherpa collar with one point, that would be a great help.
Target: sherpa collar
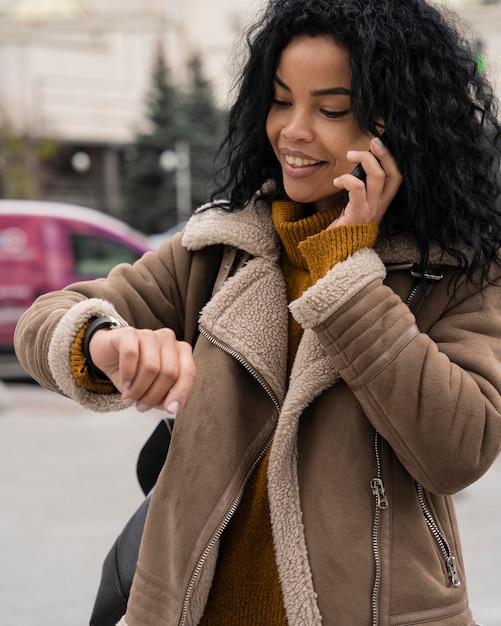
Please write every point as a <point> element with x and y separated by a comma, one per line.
<point>252,230</point>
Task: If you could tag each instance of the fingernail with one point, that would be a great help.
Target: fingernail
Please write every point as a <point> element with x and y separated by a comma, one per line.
<point>378,141</point>
<point>127,384</point>
<point>351,153</point>
<point>173,408</point>
<point>335,181</point>
<point>142,408</point>
<point>128,402</point>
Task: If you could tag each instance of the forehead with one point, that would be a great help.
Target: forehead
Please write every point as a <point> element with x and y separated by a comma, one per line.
<point>314,59</point>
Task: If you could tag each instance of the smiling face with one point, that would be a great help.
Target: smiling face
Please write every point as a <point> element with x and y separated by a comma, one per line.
<point>310,124</point>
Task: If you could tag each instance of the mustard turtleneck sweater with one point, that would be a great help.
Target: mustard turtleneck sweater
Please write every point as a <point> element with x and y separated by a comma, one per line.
<point>246,588</point>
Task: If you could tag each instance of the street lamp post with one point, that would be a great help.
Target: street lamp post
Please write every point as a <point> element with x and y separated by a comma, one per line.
<point>178,161</point>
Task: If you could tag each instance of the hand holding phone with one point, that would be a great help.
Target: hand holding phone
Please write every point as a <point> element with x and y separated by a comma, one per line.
<point>359,172</point>
<point>368,203</point>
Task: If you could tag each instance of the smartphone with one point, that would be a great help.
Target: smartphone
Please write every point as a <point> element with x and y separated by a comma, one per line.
<point>360,173</point>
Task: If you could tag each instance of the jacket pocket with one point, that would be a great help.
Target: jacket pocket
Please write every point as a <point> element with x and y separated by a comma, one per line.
<point>418,566</point>
<point>448,557</point>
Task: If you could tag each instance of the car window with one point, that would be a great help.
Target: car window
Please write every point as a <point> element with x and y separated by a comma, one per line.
<point>96,255</point>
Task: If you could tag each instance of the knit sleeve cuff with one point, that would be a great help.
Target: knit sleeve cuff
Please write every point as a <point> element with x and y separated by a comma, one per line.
<point>329,247</point>
<point>79,367</point>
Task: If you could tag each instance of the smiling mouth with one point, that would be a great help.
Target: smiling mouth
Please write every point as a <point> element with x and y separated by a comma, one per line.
<point>295,161</point>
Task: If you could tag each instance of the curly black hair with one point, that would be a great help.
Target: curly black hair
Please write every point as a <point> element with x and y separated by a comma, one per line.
<point>411,66</point>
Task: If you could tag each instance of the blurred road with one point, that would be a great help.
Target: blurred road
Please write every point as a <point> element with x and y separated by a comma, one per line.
<point>68,486</point>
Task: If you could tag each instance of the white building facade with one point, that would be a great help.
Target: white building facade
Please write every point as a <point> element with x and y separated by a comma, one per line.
<point>80,69</point>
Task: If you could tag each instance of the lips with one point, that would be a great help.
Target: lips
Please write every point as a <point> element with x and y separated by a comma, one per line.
<point>299,165</point>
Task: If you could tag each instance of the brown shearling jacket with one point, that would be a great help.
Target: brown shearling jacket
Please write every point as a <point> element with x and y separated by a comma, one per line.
<point>387,413</point>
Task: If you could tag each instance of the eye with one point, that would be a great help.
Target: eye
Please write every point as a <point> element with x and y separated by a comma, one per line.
<point>279,102</point>
<point>334,114</point>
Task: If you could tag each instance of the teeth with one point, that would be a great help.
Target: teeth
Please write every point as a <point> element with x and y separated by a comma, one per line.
<point>299,162</point>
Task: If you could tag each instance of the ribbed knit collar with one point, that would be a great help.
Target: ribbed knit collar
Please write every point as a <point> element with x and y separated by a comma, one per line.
<point>293,226</point>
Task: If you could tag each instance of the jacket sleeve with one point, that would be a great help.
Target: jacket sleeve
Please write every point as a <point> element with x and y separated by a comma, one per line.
<point>164,289</point>
<point>435,396</point>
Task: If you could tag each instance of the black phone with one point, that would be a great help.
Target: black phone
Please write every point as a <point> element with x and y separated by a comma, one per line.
<point>359,172</point>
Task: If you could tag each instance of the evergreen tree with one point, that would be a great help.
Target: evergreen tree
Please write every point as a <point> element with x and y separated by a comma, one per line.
<point>190,117</point>
<point>149,191</point>
<point>205,127</point>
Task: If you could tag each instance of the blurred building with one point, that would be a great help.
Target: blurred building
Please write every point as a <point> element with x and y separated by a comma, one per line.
<point>76,73</point>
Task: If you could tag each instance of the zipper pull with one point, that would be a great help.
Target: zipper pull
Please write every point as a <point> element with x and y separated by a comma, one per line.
<point>452,571</point>
<point>378,490</point>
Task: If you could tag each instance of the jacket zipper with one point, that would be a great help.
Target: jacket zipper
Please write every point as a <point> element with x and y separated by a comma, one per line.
<point>449,559</point>
<point>379,492</point>
<point>414,291</point>
<point>238,498</point>
<point>433,274</point>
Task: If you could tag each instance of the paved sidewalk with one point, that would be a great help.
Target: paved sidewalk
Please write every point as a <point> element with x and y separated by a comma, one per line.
<point>68,485</point>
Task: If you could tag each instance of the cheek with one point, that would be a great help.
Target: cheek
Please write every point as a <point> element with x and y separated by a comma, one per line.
<point>270,128</point>
<point>360,140</point>
<point>272,133</point>
<point>349,140</point>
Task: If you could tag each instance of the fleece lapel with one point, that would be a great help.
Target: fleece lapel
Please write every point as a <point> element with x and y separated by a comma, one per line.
<point>312,373</point>
<point>248,314</point>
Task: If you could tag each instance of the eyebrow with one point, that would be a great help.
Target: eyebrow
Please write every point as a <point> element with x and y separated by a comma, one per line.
<point>332,91</point>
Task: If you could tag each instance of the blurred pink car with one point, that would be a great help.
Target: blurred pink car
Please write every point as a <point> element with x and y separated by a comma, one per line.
<point>45,246</point>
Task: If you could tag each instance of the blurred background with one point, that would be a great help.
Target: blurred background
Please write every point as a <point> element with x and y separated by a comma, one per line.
<point>118,106</point>
<point>111,103</point>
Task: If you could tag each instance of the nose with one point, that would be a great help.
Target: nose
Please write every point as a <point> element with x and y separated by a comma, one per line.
<point>298,126</point>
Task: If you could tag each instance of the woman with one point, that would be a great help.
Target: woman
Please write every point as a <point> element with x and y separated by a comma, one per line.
<point>345,377</point>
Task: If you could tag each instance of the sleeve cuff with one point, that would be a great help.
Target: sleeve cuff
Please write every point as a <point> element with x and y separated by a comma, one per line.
<point>329,247</point>
<point>340,284</point>
<point>61,352</point>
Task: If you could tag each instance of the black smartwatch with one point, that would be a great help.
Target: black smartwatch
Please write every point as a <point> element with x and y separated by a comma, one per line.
<point>96,324</point>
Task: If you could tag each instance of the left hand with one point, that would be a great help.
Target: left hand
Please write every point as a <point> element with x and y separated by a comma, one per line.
<point>369,201</point>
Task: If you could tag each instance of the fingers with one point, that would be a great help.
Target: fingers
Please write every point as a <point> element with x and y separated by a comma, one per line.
<point>151,367</point>
<point>161,373</point>
<point>369,199</point>
<point>181,388</point>
<point>392,176</point>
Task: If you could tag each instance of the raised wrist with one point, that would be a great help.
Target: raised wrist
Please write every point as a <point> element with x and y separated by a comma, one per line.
<point>97,323</point>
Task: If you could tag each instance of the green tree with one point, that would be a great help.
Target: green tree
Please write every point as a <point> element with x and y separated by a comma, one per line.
<point>149,191</point>
<point>189,116</point>
<point>204,128</point>
<point>18,165</point>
